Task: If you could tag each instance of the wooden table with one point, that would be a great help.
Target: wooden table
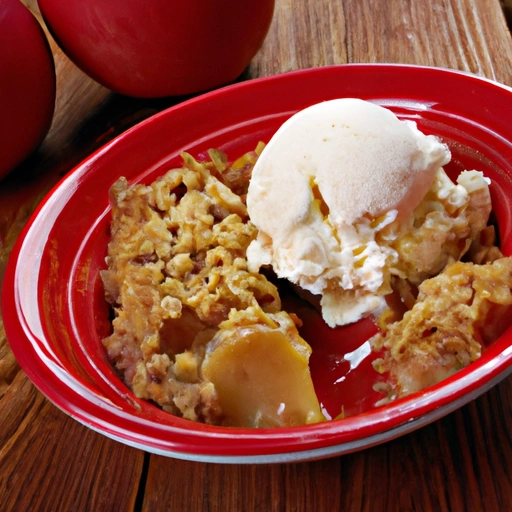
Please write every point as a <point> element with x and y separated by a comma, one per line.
<point>48,461</point>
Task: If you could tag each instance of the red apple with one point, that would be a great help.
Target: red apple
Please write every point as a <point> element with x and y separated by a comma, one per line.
<point>159,48</point>
<point>27,84</point>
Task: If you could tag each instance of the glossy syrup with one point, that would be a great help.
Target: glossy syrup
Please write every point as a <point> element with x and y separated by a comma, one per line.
<point>341,361</point>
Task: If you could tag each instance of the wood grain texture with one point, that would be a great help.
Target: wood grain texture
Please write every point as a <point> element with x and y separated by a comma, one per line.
<point>51,462</point>
<point>457,463</point>
<point>470,35</point>
<point>461,462</point>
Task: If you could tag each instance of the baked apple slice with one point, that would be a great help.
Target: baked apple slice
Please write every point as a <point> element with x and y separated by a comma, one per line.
<point>261,375</point>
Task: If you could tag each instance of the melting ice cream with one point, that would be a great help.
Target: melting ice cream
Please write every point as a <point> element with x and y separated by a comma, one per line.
<point>335,191</point>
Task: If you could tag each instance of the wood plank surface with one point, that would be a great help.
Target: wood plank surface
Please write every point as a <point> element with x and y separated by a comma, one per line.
<point>454,464</point>
<point>49,461</point>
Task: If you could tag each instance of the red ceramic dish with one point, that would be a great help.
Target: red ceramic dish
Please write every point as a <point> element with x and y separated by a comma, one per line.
<point>55,314</point>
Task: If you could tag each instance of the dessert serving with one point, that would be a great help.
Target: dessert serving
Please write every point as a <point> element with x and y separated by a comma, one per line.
<point>347,203</point>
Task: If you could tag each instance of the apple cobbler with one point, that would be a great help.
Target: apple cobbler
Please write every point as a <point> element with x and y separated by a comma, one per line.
<point>456,314</point>
<point>439,322</point>
<point>194,331</point>
<point>206,339</point>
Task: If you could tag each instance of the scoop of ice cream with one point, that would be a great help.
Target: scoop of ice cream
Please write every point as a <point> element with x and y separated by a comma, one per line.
<point>330,177</point>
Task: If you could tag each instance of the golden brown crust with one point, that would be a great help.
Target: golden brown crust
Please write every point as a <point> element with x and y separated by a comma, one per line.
<point>455,315</point>
<point>176,273</point>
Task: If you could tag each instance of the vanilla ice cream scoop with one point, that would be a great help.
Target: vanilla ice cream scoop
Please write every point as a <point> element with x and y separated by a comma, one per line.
<point>330,178</point>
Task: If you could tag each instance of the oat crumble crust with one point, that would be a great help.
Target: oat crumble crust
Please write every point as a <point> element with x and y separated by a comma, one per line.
<point>176,268</point>
<point>456,314</point>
